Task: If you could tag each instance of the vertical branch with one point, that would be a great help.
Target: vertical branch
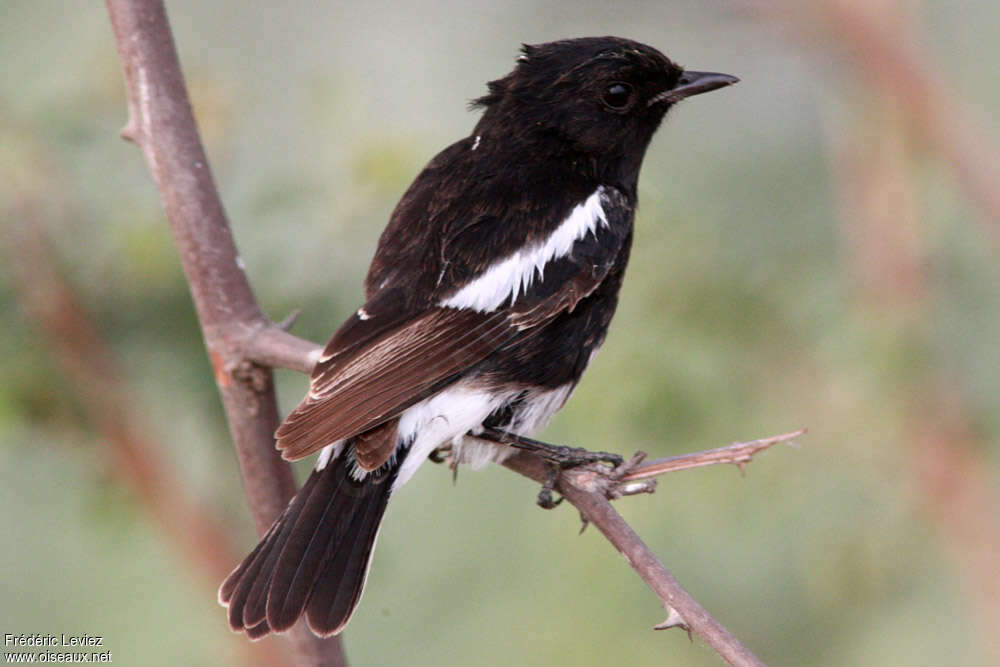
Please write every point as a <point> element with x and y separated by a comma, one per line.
<point>162,124</point>
<point>239,337</point>
<point>53,306</point>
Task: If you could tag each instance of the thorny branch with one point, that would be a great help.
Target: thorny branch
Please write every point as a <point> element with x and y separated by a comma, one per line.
<point>738,453</point>
<point>162,124</point>
<point>590,488</point>
<point>244,345</point>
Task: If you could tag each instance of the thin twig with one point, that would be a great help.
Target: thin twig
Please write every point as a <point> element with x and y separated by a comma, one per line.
<point>739,453</point>
<point>273,347</point>
<point>162,124</point>
<point>597,509</point>
<point>587,489</point>
<point>241,342</point>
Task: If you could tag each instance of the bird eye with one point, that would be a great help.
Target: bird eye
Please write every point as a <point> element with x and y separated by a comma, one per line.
<point>617,95</point>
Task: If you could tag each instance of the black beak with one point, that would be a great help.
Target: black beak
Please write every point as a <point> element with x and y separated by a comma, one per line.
<point>694,83</point>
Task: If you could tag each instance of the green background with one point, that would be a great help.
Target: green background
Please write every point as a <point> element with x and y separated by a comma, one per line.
<point>764,294</point>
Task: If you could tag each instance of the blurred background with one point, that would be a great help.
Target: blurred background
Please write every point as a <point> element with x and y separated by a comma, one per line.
<point>816,247</point>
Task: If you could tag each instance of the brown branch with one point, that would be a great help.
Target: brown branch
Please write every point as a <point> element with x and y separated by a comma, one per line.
<point>578,487</point>
<point>52,305</point>
<point>162,124</point>
<point>274,347</point>
<point>240,340</point>
<point>739,453</point>
<point>587,488</point>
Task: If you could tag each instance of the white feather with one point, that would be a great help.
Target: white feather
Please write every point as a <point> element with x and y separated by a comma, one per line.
<point>449,416</point>
<point>536,410</point>
<point>539,408</point>
<point>329,452</point>
<point>444,419</point>
<point>505,279</point>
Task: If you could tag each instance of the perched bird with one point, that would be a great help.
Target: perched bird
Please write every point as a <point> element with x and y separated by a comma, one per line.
<point>491,289</point>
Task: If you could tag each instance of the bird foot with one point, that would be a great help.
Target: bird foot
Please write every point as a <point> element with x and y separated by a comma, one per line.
<point>440,455</point>
<point>558,455</point>
<point>559,458</point>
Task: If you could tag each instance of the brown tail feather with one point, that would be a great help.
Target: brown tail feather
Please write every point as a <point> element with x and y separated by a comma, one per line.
<point>314,559</point>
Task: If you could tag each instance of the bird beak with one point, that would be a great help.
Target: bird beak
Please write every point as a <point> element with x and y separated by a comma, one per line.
<point>694,83</point>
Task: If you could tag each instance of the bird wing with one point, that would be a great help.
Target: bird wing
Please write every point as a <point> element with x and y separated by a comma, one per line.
<point>370,372</point>
<point>390,355</point>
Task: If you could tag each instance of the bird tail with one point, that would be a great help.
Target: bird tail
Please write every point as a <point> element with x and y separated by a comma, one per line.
<point>314,559</point>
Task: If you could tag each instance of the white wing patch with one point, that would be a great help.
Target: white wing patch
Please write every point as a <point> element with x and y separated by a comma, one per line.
<point>505,279</point>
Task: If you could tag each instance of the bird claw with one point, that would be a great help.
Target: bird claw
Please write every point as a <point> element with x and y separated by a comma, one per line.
<point>571,457</point>
<point>545,500</point>
<point>592,468</point>
<point>559,455</point>
<point>439,455</point>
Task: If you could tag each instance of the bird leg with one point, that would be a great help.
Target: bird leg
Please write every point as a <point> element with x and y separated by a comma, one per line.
<point>559,457</point>
<point>548,486</point>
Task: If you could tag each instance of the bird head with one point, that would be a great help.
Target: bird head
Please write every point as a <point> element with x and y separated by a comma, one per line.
<point>596,96</point>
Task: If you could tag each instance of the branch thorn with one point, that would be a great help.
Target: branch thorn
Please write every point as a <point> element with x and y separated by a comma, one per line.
<point>128,132</point>
<point>286,324</point>
<point>674,620</point>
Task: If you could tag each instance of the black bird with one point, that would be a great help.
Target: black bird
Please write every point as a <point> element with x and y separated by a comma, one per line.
<point>492,287</point>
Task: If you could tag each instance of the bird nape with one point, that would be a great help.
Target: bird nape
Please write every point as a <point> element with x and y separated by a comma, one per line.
<point>492,287</point>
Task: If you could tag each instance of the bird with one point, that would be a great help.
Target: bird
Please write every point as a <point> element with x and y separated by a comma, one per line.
<point>491,289</point>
